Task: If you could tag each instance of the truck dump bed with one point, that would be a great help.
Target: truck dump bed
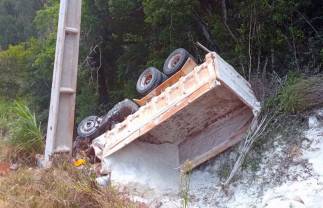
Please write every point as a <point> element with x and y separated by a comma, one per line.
<point>205,112</point>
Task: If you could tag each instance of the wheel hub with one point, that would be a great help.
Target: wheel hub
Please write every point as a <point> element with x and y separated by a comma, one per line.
<point>174,60</point>
<point>89,126</point>
<point>146,79</point>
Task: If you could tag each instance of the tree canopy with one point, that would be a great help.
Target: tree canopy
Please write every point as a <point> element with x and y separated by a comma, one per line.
<point>120,38</point>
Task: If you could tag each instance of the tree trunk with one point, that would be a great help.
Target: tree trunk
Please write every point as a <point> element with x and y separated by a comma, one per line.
<point>103,87</point>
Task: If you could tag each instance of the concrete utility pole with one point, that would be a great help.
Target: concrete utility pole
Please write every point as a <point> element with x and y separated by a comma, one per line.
<point>62,105</point>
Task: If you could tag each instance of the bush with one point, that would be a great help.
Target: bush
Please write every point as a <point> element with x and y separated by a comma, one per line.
<point>300,94</point>
<point>4,117</point>
<point>26,131</point>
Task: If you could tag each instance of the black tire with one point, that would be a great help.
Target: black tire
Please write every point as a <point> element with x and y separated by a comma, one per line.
<point>89,127</point>
<point>149,80</point>
<point>175,61</point>
<point>164,77</point>
<point>118,114</point>
<point>93,126</point>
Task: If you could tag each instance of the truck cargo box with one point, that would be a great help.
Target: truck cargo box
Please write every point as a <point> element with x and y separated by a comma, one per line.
<point>205,112</point>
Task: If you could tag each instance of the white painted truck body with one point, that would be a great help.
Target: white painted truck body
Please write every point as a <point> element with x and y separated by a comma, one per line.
<point>207,111</point>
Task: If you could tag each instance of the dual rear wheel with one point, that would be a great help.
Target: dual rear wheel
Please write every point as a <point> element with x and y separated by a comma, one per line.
<point>93,126</point>
<point>149,80</point>
<point>151,77</point>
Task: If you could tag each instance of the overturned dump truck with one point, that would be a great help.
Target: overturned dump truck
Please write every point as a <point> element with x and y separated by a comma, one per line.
<point>197,113</point>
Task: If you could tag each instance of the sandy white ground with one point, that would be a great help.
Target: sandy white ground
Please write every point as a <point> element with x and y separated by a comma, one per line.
<point>302,192</point>
<point>290,174</point>
<point>300,184</point>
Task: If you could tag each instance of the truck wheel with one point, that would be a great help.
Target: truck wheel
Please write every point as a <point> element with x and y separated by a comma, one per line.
<point>89,127</point>
<point>149,80</point>
<point>164,77</point>
<point>118,114</point>
<point>175,61</point>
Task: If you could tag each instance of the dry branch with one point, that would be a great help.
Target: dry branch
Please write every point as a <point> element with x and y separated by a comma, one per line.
<point>252,136</point>
<point>225,20</point>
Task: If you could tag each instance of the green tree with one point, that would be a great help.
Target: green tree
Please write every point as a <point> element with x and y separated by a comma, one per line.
<point>16,18</point>
<point>120,38</point>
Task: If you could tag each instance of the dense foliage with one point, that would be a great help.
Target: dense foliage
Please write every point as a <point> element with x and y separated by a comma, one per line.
<point>122,37</point>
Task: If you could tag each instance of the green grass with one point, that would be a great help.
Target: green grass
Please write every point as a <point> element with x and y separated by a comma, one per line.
<point>26,131</point>
<point>20,132</point>
<point>299,94</point>
<point>60,186</point>
<point>288,99</point>
<point>5,116</point>
<point>186,172</point>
